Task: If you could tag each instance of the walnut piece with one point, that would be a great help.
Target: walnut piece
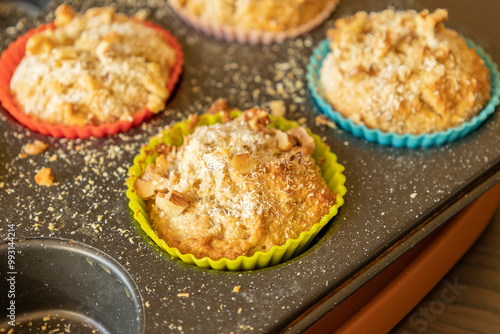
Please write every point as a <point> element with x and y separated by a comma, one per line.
<point>64,15</point>
<point>39,44</point>
<point>305,140</point>
<point>173,202</point>
<point>277,108</point>
<point>35,148</point>
<point>285,141</point>
<point>219,105</point>
<point>44,177</point>
<point>323,120</point>
<point>154,179</point>
<point>257,119</point>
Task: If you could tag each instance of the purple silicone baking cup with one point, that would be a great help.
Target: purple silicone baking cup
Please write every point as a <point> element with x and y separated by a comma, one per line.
<point>391,138</point>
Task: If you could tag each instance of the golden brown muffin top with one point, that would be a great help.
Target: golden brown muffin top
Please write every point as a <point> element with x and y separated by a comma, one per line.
<point>403,72</point>
<point>270,15</point>
<point>235,188</point>
<point>94,68</point>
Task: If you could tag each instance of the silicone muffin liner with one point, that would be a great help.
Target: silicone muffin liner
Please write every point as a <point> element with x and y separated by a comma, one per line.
<point>331,172</point>
<point>392,138</point>
<point>13,55</point>
<point>247,36</point>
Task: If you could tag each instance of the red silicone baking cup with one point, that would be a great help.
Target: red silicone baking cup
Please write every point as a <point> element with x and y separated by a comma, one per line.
<point>13,55</point>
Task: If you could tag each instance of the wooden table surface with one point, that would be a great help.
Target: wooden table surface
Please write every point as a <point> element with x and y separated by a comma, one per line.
<point>467,300</point>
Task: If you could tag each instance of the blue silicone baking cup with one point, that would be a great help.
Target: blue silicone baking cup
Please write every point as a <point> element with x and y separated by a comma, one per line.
<point>392,138</point>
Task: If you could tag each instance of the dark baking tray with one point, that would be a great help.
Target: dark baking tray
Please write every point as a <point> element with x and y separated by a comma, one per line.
<point>395,196</point>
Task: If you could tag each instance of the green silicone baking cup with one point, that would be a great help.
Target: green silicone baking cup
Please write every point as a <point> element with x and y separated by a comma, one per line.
<point>173,135</point>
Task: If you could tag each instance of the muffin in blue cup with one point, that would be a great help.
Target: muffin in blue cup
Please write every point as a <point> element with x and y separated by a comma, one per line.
<point>401,78</point>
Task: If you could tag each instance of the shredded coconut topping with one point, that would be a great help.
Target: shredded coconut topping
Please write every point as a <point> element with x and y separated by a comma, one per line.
<point>403,72</point>
<point>93,69</point>
<point>272,15</point>
<point>244,193</point>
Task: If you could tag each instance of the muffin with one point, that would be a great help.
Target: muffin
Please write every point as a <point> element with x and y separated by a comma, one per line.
<point>403,72</point>
<point>236,189</point>
<point>97,69</point>
<point>251,21</point>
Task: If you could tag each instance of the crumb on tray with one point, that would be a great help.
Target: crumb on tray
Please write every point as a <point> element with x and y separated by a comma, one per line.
<point>44,177</point>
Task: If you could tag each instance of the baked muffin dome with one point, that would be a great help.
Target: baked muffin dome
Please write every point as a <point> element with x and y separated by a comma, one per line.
<point>254,21</point>
<point>271,15</point>
<point>97,68</point>
<point>403,72</point>
<point>234,189</point>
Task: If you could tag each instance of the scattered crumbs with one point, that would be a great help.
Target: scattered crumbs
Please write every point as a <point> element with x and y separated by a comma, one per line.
<point>278,108</point>
<point>237,288</point>
<point>51,226</point>
<point>131,240</point>
<point>44,177</point>
<point>34,148</point>
<point>208,307</point>
<point>346,143</point>
<point>240,310</point>
<point>183,294</point>
<point>413,195</point>
<point>53,158</point>
<point>302,120</point>
<point>142,14</point>
<point>171,326</point>
<point>148,304</point>
<point>179,328</point>
<point>323,120</point>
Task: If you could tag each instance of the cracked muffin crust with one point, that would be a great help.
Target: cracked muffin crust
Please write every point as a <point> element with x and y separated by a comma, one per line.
<point>235,188</point>
<point>403,72</point>
<point>92,69</point>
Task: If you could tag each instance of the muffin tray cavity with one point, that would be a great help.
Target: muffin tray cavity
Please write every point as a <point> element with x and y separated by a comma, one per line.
<point>66,285</point>
<point>395,197</point>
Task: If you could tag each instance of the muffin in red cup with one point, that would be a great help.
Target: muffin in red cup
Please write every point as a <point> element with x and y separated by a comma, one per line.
<point>254,22</point>
<point>94,74</point>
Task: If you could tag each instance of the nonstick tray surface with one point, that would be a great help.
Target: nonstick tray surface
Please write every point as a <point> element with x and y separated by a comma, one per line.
<point>395,196</point>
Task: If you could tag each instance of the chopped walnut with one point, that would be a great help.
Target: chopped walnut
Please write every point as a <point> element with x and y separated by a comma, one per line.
<point>39,44</point>
<point>173,202</point>
<point>323,120</point>
<point>34,148</point>
<point>285,141</point>
<point>218,105</point>
<point>277,108</point>
<point>257,119</point>
<point>193,118</point>
<point>142,14</point>
<point>154,179</point>
<point>44,177</point>
<point>305,140</point>
<point>64,15</point>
